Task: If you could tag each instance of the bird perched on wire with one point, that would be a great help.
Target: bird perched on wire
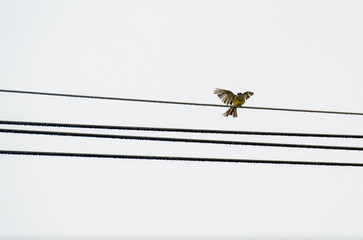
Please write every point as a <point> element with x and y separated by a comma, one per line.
<point>230,98</point>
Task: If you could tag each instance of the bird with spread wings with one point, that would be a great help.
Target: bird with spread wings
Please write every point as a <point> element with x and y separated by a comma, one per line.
<point>230,98</point>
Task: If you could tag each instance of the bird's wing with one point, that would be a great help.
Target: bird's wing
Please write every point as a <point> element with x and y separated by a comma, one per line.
<point>225,95</point>
<point>248,94</point>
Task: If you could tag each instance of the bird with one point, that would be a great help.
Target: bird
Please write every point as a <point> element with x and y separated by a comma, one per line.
<point>230,98</point>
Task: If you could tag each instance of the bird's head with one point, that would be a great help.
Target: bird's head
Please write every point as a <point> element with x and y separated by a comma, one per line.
<point>239,94</point>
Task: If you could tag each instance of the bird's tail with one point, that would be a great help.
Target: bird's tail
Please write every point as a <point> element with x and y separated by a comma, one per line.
<point>231,111</point>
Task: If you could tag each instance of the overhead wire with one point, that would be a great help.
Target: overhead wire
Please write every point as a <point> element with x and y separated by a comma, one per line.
<point>175,102</point>
<point>175,158</point>
<point>185,140</point>
<point>184,130</point>
<point>262,144</point>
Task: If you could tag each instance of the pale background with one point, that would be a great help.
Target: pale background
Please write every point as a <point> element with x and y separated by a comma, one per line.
<point>292,54</point>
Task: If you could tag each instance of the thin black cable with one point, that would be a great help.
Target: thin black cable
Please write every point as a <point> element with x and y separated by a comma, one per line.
<point>186,140</point>
<point>170,158</point>
<point>184,130</point>
<point>174,102</point>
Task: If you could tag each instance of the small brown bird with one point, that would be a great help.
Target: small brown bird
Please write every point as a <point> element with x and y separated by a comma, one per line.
<point>230,98</point>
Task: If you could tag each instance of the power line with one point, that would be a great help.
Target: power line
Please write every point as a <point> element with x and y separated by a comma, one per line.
<point>170,158</point>
<point>174,102</point>
<point>185,140</point>
<point>185,130</point>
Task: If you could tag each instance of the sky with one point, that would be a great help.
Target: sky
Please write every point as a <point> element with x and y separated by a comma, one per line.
<point>291,54</point>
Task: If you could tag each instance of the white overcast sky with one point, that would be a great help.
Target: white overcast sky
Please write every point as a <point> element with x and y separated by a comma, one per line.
<point>292,54</point>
